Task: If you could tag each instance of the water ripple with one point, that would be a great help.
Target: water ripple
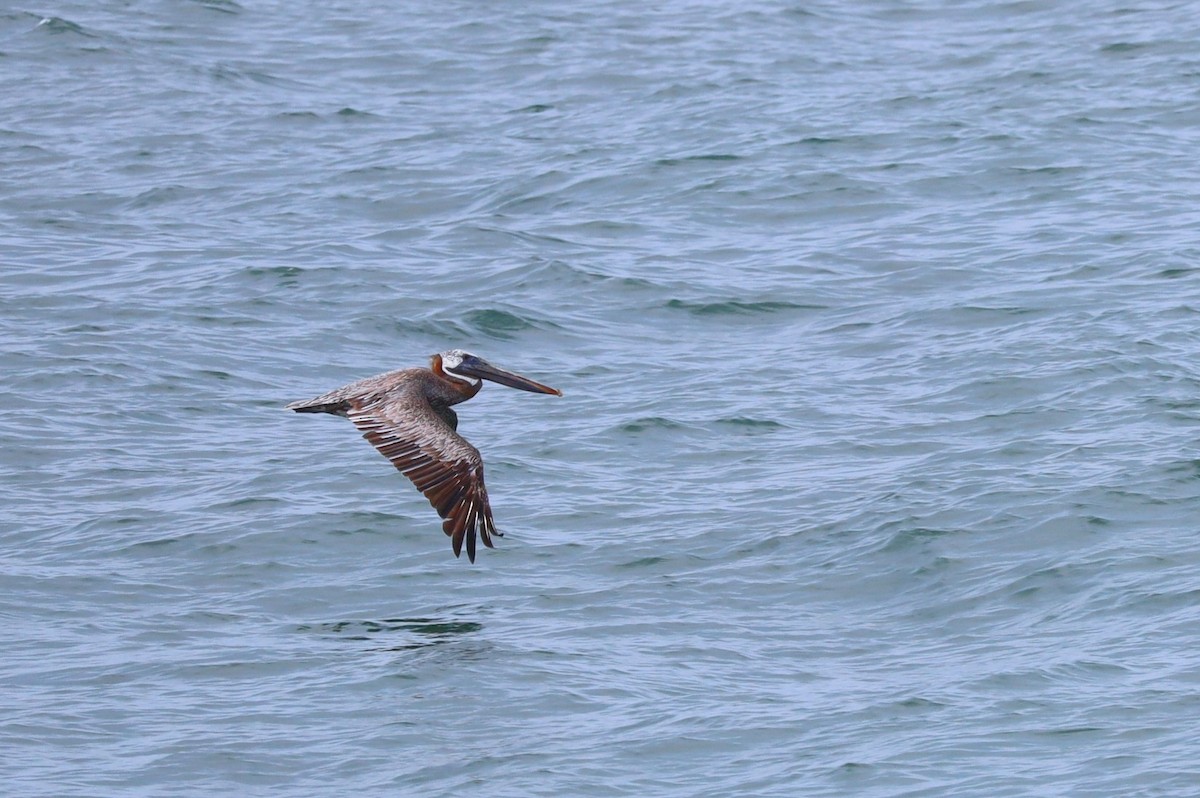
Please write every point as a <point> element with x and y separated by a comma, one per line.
<point>874,472</point>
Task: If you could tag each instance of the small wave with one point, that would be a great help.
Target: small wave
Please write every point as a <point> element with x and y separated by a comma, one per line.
<point>816,140</point>
<point>285,274</point>
<point>427,631</point>
<point>226,73</point>
<point>501,323</point>
<point>751,423</point>
<point>738,307</point>
<point>1123,47</point>
<point>907,537</point>
<point>58,25</point>
<point>694,158</point>
<point>1052,171</point>
<point>650,422</point>
<point>559,274</point>
<point>224,6</point>
<point>641,562</point>
<point>424,625</point>
<point>160,195</point>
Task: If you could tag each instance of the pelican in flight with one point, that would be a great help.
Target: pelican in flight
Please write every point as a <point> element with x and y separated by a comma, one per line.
<point>406,415</point>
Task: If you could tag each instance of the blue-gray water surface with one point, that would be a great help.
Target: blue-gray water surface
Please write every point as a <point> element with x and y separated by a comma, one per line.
<point>877,471</point>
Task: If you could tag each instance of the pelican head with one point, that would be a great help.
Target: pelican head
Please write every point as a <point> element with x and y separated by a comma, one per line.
<point>470,369</point>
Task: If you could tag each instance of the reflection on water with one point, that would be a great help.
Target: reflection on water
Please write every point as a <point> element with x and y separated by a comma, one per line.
<point>423,631</point>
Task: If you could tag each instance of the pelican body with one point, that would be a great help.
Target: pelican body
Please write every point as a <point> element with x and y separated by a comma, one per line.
<point>407,416</point>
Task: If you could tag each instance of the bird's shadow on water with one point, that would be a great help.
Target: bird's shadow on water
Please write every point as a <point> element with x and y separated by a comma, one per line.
<point>403,634</point>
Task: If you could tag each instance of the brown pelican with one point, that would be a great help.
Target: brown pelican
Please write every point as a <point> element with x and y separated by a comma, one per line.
<point>406,415</point>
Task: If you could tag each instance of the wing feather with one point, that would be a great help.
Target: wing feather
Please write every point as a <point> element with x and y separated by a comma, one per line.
<point>440,462</point>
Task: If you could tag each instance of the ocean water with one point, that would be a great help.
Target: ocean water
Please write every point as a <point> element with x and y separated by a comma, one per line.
<point>877,469</point>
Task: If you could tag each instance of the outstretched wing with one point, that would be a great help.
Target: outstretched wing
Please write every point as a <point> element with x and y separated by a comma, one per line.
<point>439,461</point>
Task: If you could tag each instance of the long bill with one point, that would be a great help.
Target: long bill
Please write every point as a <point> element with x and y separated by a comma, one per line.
<point>478,367</point>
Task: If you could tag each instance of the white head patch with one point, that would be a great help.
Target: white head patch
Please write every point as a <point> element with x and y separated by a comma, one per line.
<point>452,360</point>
